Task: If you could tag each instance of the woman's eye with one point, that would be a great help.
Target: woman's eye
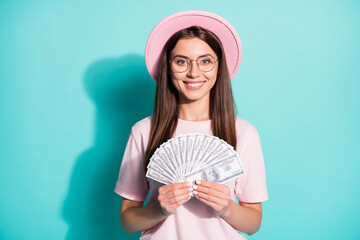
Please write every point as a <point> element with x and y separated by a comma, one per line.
<point>205,61</point>
<point>181,62</point>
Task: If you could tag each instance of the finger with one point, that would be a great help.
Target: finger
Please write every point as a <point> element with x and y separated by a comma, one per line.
<point>219,209</point>
<point>213,192</point>
<point>211,204</point>
<point>181,202</point>
<point>213,185</point>
<point>179,198</point>
<point>175,193</point>
<point>166,188</point>
<point>211,198</point>
<point>170,208</point>
<point>178,192</point>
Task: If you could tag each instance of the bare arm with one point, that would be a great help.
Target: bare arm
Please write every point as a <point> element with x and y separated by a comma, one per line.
<point>135,217</point>
<point>245,217</point>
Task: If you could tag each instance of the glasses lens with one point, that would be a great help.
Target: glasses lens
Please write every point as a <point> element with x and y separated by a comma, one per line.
<point>206,63</point>
<point>179,64</point>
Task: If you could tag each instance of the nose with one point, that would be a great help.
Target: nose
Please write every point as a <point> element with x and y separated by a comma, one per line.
<point>194,70</point>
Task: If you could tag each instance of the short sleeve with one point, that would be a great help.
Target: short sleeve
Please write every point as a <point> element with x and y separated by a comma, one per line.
<point>131,183</point>
<point>251,187</point>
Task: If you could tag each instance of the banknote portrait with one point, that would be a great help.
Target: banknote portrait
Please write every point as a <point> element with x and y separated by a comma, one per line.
<point>210,174</point>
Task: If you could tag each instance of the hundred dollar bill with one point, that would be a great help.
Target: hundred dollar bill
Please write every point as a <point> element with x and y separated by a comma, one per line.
<point>167,156</point>
<point>224,150</point>
<point>210,145</point>
<point>198,142</point>
<point>182,152</point>
<point>203,147</point>
<point>164,173</point>
<point>155,175</point>
<point>189,151</point>
<point>157,163</point>
<point>175,151</point>
<point>220,172</point>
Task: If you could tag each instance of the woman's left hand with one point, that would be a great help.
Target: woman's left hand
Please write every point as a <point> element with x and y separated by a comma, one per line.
<point>215,195</point>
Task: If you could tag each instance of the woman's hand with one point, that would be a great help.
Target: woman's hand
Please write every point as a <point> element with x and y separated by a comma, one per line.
<point>174,195</point>
<point>215,195</point>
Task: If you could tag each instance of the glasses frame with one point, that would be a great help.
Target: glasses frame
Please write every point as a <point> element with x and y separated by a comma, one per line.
<point>190,62</point>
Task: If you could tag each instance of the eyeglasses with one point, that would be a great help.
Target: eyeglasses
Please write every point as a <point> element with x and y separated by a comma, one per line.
<point>181,63</point>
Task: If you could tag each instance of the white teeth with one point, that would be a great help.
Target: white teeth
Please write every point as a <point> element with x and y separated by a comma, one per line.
<point>195,84</point>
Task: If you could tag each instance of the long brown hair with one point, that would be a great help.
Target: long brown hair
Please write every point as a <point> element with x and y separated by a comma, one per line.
<point>165,116</point>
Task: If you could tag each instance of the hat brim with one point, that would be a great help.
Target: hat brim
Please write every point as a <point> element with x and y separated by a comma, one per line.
<point>175,22</point>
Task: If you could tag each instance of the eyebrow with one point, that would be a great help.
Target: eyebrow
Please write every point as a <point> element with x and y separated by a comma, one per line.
<point>197,57</point>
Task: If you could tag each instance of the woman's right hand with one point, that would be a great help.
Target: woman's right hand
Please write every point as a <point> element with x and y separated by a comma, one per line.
<point>174,195</point>
<point>136,218</point>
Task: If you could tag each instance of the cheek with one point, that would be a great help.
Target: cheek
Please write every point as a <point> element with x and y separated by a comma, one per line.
<point>212,75</point>
<point>176,80</point>
<point>212,79</point>
<point>175,83</point>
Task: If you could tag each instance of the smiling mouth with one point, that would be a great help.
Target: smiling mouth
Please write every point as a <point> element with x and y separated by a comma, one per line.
<point>194,84</point>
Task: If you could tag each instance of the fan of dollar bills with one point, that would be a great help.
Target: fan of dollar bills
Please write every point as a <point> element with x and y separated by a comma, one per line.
<point>194,157</point>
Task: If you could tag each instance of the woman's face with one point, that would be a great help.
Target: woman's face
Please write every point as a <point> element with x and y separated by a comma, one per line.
<point>193,84</point>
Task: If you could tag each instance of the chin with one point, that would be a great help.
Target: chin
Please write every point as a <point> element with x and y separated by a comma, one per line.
<point>192,97</point>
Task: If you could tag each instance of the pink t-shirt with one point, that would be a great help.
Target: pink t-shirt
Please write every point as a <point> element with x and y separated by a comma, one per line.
<point>193,220</point>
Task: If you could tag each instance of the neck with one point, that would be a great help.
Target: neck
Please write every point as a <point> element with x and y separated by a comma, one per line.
<point>195,110</point>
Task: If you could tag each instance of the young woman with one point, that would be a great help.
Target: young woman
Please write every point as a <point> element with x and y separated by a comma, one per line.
<point>193,94</point>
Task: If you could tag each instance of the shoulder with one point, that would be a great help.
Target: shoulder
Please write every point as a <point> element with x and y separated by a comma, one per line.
<point>243,126</point>
<point>142,127</point>
<point>245,130</point>
<point>142,124</point>
<point>139,134</point>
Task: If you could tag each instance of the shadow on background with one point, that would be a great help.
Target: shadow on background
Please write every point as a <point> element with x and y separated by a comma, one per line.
<point>123,93</point>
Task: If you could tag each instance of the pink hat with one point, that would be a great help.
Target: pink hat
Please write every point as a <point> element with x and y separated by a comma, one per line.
<point>177,21</point>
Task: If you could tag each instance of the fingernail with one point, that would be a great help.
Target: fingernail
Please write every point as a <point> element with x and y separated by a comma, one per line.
<point>195,187</point>
<point>198,182</point>
<point>197,197</point>
<point>189,197</point>
<point>188,184</point>
<point>195,192</point>
<point>191,194</point>
<point>190,189</point>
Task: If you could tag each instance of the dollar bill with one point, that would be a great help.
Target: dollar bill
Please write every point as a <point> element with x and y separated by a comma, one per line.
<point>198,142</point>
<point>190,139</point>
<point>166,158</point>
<point>192,157</point>
<point>220,172</point>
<point>155,175</point>
<point>182,153</point>
<point>207,149</point>
<point>175,153</point>
<point>222,151</point>
<point>157,164</point>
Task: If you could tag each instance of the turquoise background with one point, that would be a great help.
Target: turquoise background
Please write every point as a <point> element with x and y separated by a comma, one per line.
<point>73,82</point>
